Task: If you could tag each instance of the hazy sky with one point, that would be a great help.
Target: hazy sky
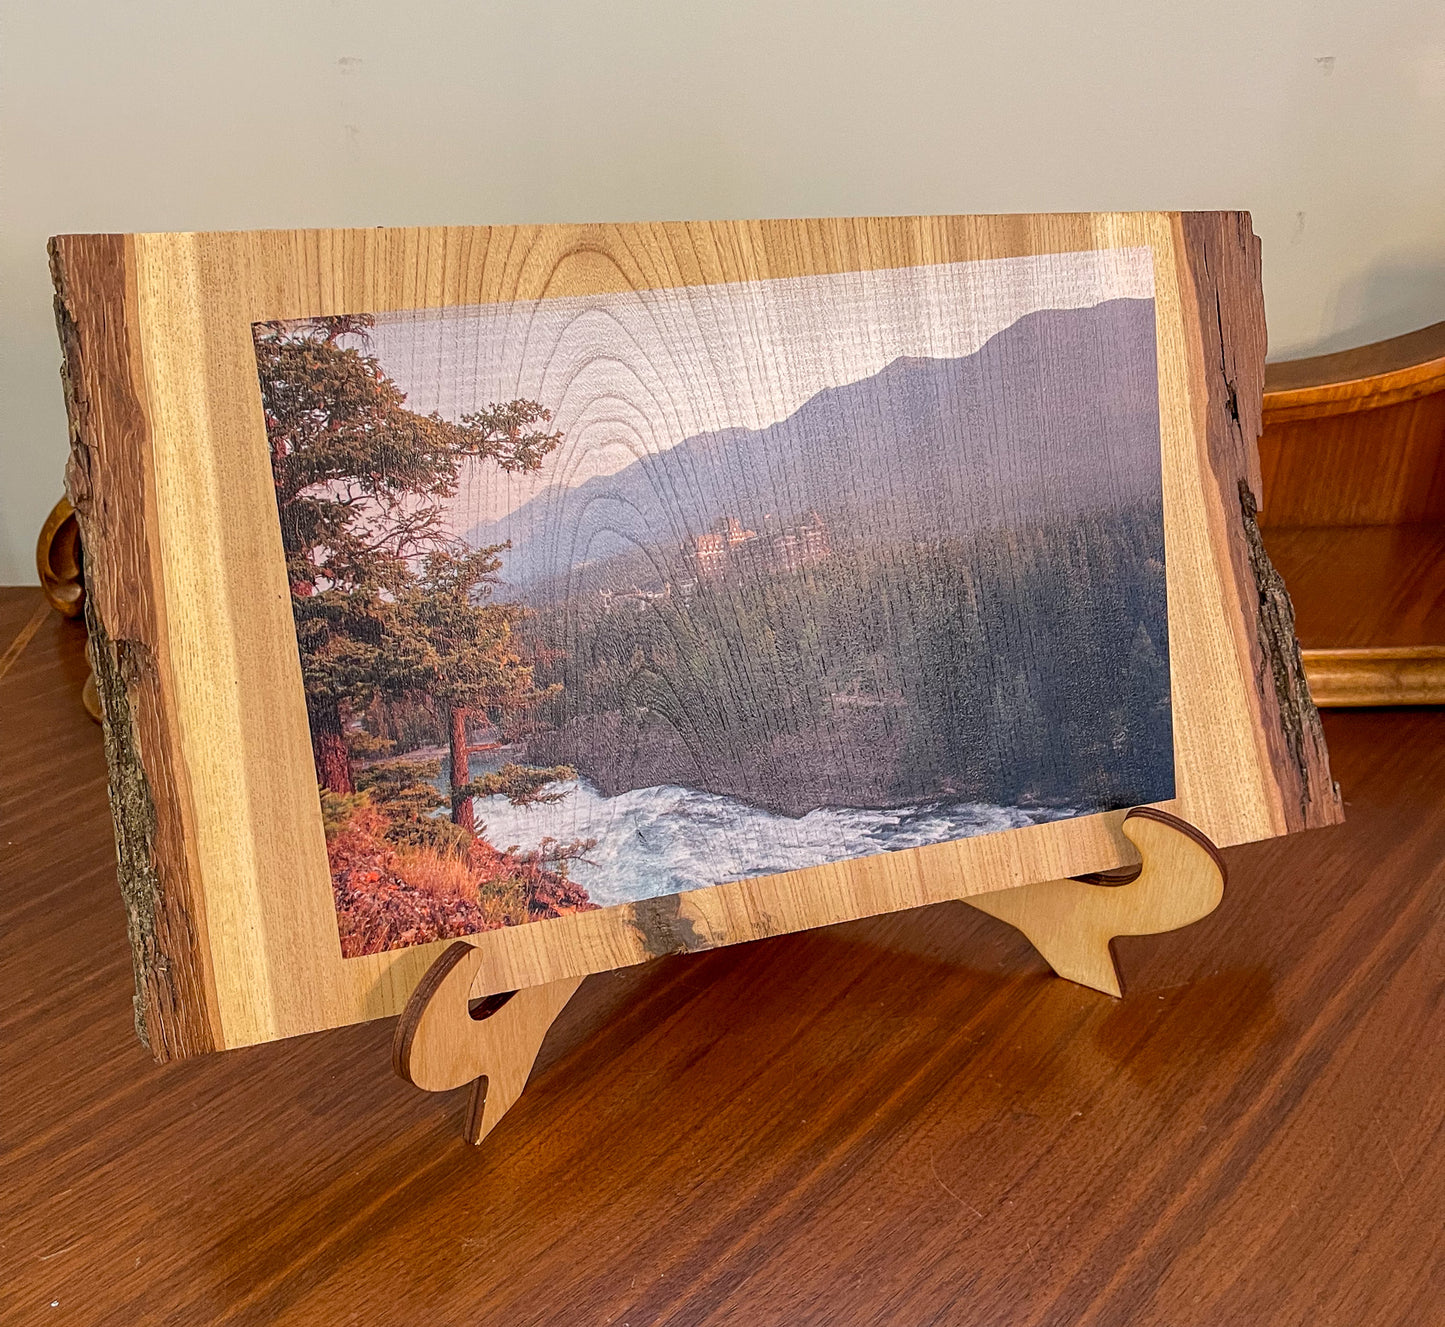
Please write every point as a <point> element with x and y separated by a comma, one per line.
<point>638,371</point>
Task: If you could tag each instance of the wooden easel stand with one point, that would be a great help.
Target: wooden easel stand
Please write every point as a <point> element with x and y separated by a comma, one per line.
<point>442,1042</point>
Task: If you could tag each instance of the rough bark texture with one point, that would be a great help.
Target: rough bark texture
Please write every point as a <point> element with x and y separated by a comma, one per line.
<point>107,480</point>
<point>1303,734</point>
<point>130,803</point>
<point>1224,260</point>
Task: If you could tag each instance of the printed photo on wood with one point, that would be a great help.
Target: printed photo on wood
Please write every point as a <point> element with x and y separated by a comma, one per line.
<point>610,597</point>
<point>598,592</point>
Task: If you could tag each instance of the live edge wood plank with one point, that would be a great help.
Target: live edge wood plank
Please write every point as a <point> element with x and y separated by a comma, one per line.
<point>1224,257</point>
<point>109,482</point>
<point>900,1121</point>
<point>224,865</point>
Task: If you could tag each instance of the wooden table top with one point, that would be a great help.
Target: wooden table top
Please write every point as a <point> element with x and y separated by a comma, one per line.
<point>904,1120</point>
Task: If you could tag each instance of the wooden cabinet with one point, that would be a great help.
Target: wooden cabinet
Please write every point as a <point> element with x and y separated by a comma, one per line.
<point>1353,463</point>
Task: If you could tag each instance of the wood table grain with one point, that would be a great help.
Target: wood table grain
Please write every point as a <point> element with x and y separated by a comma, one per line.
<point>905,1120</point>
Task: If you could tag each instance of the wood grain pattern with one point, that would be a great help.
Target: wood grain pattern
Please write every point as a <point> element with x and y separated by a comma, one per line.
<point>901,1120</point>
<point>1383,675</point>
<point>1357,438</point>
<point>1073,922</point>
<point>1223,255</point>
<point>1383,373</point>
<point>441,1044</point>
<point>203,659</point>
<point>110,482</point>
<point>57,560</point>
<point>1369,467</point>
<point>1359,586</point>
<point>22,637</point>
<point>1353,459</point>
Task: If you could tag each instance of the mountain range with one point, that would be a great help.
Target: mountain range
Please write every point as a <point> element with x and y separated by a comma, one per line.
<point>1057,413</point>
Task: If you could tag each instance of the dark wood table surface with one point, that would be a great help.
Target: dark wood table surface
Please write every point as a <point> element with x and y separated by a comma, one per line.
<point>906,1120</point>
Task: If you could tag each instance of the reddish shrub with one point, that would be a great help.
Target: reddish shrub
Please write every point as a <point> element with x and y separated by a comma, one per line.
<point>378,908</point>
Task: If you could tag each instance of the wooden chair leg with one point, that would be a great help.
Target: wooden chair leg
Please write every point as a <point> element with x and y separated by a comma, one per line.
<point>441,1042</point>
<point>1071,922</point>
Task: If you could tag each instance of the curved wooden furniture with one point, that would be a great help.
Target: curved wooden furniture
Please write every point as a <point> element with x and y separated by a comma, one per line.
<point>57,560</point>
<point>1383,373</point>
<point>1353,463</point>
<point>58,564</point>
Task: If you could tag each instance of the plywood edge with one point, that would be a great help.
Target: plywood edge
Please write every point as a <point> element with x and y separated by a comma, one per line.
<point>109,484</point>
<point>1223,258</point>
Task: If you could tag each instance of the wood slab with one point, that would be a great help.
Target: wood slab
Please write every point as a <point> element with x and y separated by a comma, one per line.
<point>223,861</point>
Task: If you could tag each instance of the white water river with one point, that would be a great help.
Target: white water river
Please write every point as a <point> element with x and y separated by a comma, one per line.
<point>664,840</point>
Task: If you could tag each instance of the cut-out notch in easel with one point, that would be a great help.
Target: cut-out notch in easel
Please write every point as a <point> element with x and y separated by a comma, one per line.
<point>444,1039</point>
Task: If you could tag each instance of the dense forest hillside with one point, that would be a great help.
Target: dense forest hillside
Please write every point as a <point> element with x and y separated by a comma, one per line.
<point>1019,667</point>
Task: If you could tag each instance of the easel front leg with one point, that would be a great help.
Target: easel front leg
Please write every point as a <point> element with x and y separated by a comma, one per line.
<point>1071,922</point>
<point>441,1043</point>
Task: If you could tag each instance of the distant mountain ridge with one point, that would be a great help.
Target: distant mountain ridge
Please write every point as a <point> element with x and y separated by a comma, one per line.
<point>1056,413</point>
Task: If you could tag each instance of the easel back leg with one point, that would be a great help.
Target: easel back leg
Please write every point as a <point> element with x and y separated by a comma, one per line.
<point>440,1045</point>
<point>1072,922</point>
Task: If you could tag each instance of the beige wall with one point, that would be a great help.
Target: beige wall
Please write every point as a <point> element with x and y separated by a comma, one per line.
<point>1325,118</point>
